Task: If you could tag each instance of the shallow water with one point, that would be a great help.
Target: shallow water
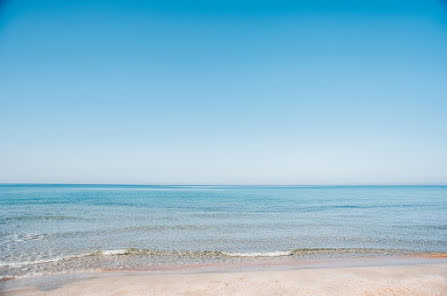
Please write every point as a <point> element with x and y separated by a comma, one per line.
<point>63,227</point>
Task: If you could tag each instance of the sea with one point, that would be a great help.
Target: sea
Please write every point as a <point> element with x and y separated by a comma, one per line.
<point>65,228</point>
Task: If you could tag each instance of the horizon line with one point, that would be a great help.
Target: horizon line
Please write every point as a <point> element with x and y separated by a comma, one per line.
<point>247,185</point>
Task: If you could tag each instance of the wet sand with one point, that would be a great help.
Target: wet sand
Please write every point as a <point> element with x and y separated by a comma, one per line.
<point>417,279</point>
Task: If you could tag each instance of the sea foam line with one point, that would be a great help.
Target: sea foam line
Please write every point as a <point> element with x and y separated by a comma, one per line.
<point>50,260</point>
<point>259,254</point>
<point>132,251</point>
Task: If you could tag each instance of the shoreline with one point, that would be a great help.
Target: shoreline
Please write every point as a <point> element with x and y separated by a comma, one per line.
<point>402,279</point>
<point>372,274</point>
<point>244,263</point>
<point>161,260</point>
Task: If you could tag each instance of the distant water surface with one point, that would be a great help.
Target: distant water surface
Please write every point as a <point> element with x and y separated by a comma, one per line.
<point>44,224</point>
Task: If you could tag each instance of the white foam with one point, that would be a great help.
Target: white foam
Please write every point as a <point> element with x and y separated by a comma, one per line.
<point>259,254</point>
<point>102,252</point>
<point>24,263</point>
<point>114,252</point>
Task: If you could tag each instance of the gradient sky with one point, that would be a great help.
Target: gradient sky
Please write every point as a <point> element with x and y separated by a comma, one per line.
<point>223,92</point>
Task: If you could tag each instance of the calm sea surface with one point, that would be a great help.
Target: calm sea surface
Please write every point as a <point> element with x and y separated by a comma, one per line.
<point>60,227</point>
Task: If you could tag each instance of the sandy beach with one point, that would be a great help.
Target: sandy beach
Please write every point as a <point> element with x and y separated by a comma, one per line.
<point>419,279</point>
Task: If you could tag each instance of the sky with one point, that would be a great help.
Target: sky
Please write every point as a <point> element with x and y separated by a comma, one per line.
<point>223,92</point>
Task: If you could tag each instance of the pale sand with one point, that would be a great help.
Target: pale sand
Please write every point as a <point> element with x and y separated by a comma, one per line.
<point>421,279</point>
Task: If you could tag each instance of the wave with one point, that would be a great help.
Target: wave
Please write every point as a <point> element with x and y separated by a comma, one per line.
<point>314,251</point>
<point>216,254</point>
<point>49,260</point>
<point>259,254</point>
<point>320,251</point>
<point>347,251</point>
<point>114,252</point>
<point>69,257</point>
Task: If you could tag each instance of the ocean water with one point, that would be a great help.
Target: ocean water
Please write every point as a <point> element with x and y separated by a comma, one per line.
<point>46,228</point>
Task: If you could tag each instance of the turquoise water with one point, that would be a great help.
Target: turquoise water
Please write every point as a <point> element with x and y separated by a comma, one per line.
<point>42,226</point>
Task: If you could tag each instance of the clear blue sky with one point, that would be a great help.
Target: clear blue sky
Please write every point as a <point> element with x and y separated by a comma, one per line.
<point>223,92</point>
